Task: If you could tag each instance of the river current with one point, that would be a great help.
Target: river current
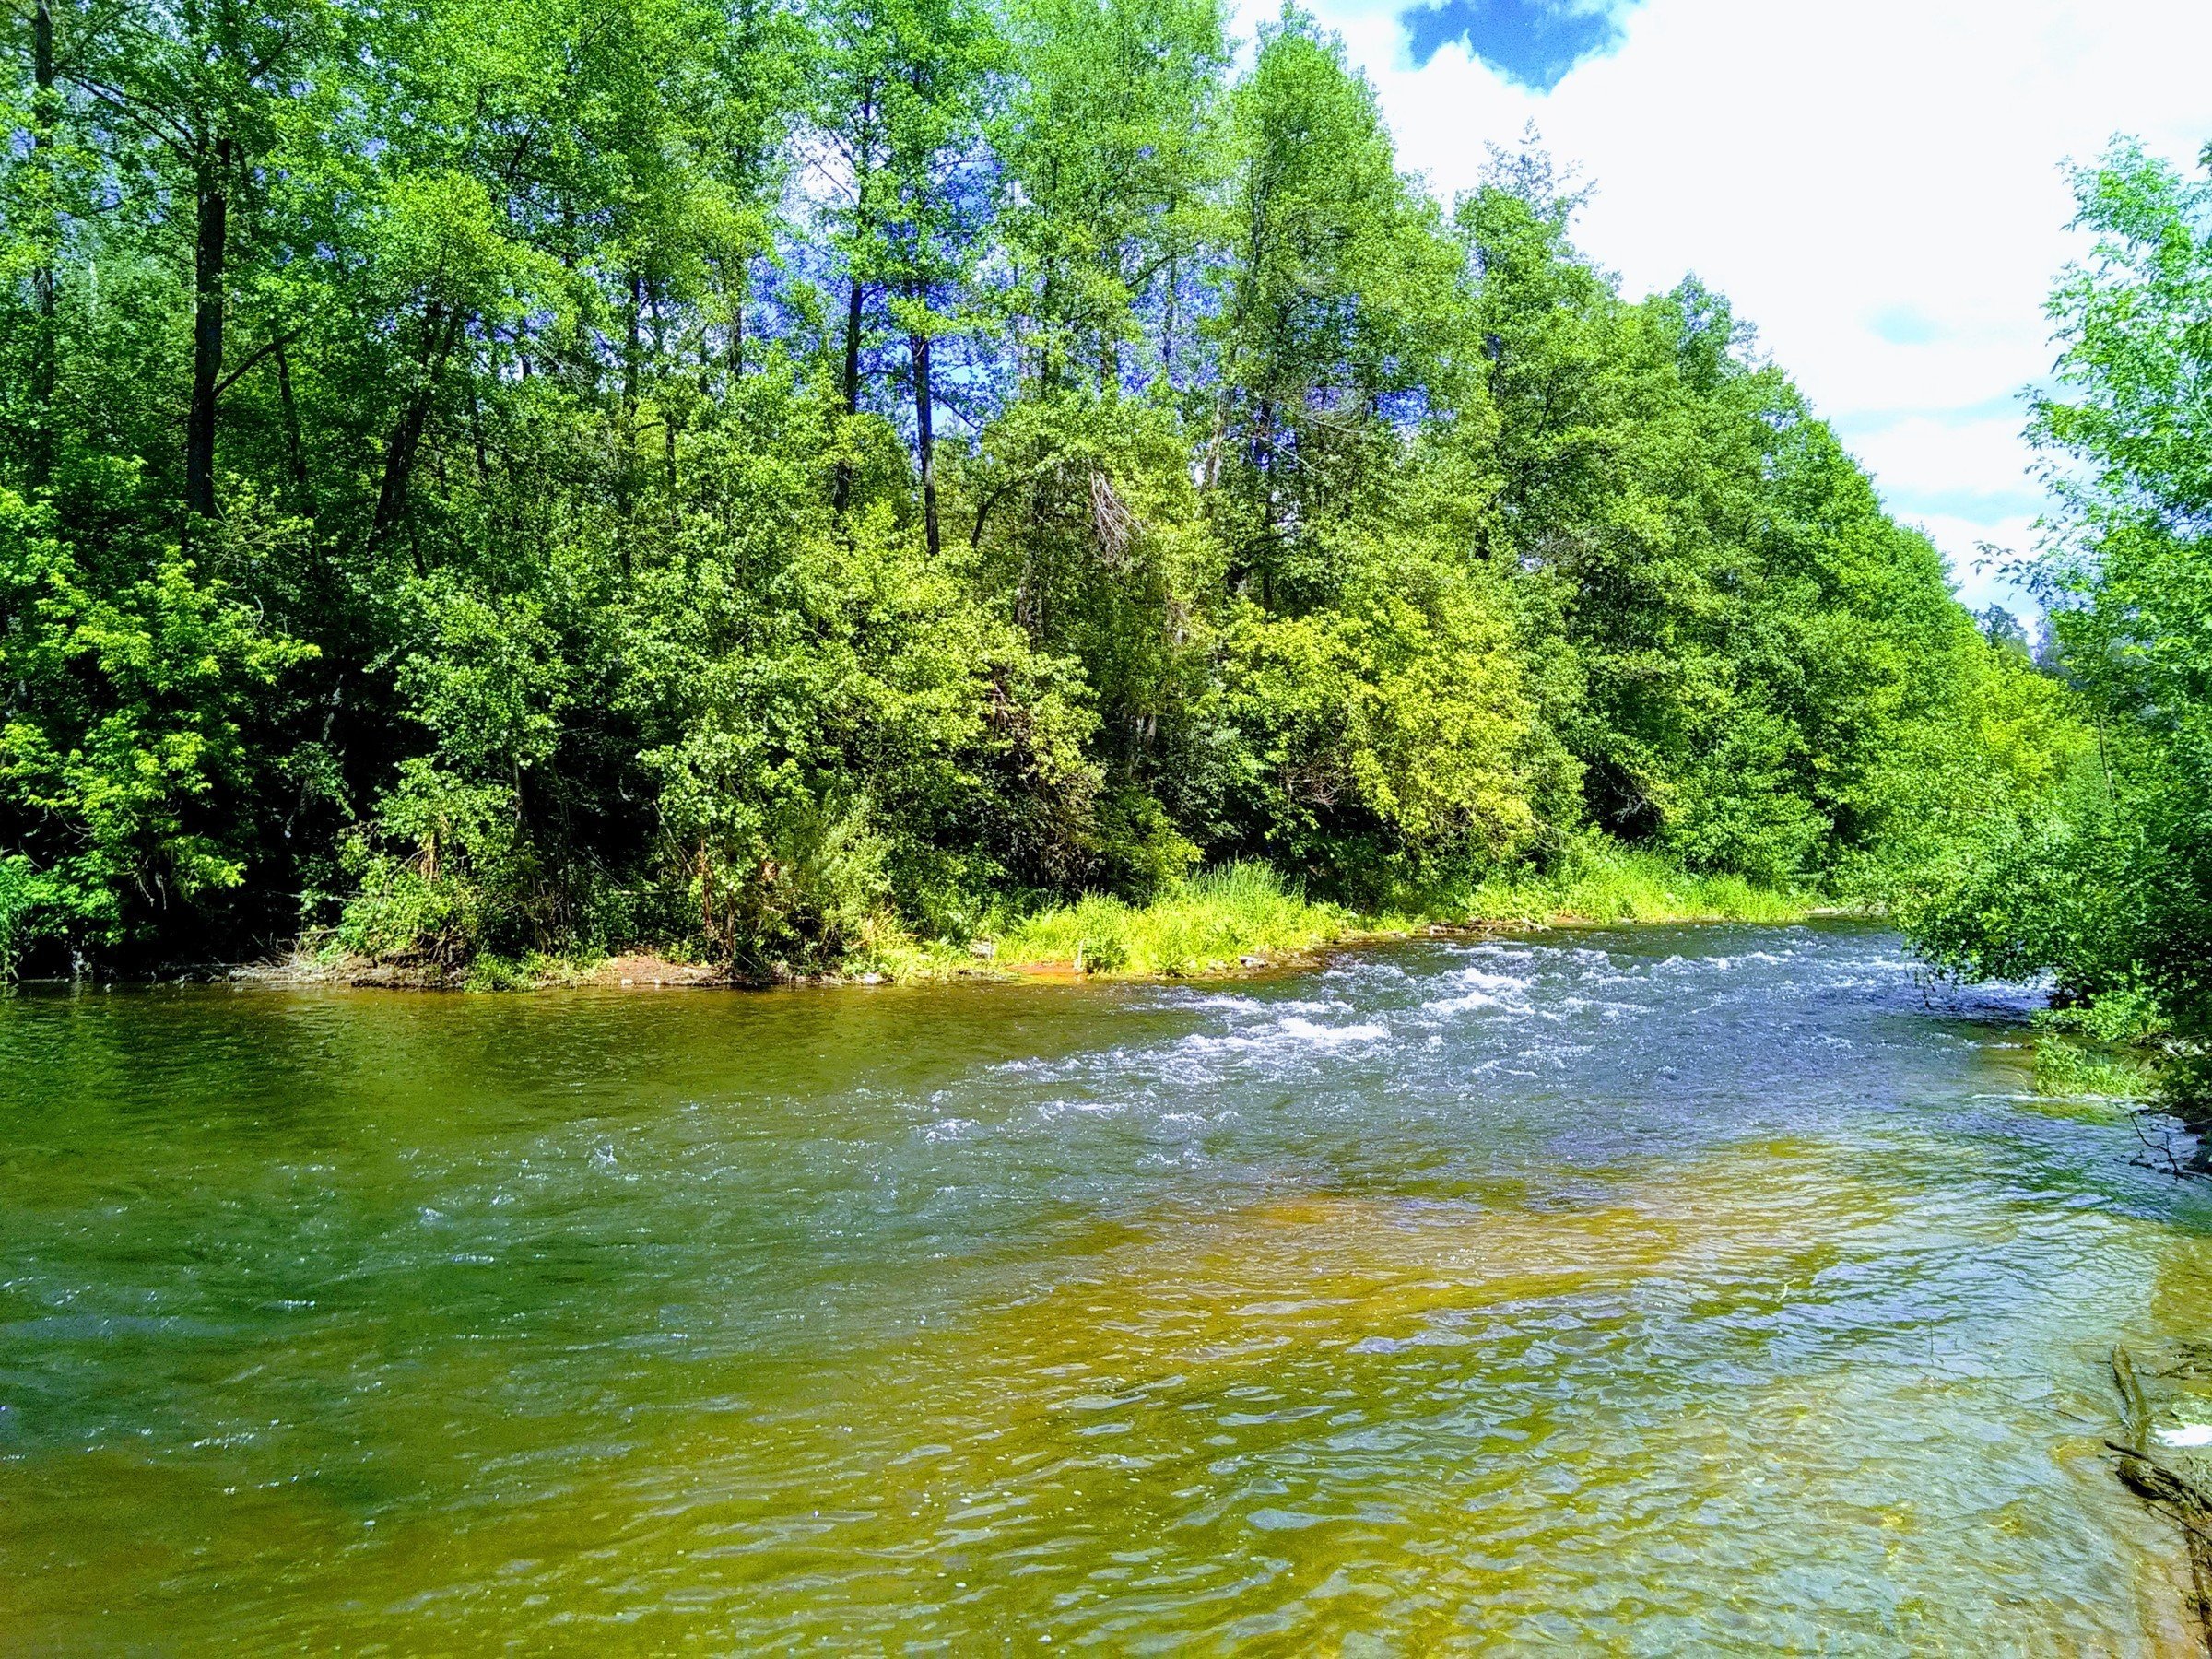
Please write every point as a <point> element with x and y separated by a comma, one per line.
<point>1687,1291</point>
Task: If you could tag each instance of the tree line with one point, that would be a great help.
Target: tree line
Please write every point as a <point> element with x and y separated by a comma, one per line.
<point>493,475</point>
<point>2103,878</point>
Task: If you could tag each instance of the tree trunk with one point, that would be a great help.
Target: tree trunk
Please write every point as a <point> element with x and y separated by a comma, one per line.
<point>925,436</point>
<point>1265,446</point>
<point>476,437</point>
<point>294,450</point>
<point>1167,330</point>
<point>854,301</point>
<point>45,348</point>
<point>737,300</point>
<point>1110,349</point>
<point>633,352</point>
<point>633,349</point>
<point>661,355</point>
<point>441,331</point>
<point>211,246</point>
<point>441,328</point>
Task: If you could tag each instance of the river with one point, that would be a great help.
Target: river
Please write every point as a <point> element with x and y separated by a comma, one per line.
<point>1654,1291</point>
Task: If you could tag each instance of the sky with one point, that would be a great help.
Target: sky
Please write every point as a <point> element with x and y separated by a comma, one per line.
<point>1879,186</point>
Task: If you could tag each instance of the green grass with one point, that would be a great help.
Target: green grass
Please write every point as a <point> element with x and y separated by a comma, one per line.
<point>1604,883</point>
<point>2103,1057</point>
<point>1245,915</point>
<point>1213,923</point>
<point>2101,1077</point>
<point>1204,926</point>
<point>533,970</point>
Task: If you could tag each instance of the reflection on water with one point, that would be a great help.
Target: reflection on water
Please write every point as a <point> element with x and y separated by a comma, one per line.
<point>1684,1291</point>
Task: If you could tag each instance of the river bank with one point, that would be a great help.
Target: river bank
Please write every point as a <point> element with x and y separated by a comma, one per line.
<point>1238,920</point>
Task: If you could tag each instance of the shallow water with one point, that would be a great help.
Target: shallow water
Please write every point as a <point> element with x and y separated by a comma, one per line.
<point>1667,1290</point>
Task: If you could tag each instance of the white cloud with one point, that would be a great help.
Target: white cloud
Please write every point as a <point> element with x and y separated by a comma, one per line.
<point>1978,548</point>
<point>1939,459</point>
<point>1876,185</point>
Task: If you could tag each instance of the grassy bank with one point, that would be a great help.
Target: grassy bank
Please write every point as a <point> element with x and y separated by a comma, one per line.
<point>1239,917</point>
<point>1604,883</point>
<point>1246,914</point>
<point>1207,926</point>
<point>2120,1051</point>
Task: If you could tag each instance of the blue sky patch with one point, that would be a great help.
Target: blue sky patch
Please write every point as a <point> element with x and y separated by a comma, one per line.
<point>1907,325</point>
<point>1975,506</point>
<point>1533,42</point>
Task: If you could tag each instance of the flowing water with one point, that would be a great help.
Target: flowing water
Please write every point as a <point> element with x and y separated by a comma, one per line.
<point>1684,1290</point>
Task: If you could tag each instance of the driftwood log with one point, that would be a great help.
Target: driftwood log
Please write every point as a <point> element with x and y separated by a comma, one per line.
<point>2171,1493</point>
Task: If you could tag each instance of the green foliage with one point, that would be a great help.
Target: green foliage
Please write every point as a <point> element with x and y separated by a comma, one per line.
<point>1592,880</point>
<point>798,483</point>
<point>2103,876</point>
<point>1204,925</point>
<point>1246,909</point>
<point>24,893</point>
<point>444,871</point>
<point>1389,731</point>
<point>126,761</point>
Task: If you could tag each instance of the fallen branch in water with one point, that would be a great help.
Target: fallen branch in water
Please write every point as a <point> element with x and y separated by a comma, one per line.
<point>2161,1147</point>
<point>2171,1494</point>
<point>2134,1410</point>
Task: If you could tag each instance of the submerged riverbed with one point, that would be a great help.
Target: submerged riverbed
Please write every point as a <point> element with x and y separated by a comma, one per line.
<point>1656,1290</point>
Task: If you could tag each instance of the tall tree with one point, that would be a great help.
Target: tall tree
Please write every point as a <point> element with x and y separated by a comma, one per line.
<point>46,124</point>
<point>1111,155</point>
<point>191,93</point>
<point>2109,885</point>
<point>1335,299</point>
<point>903,102</point>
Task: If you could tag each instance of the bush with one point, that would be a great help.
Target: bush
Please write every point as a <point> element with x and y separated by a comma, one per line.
<point>127,761</point>
<point>445,872</point>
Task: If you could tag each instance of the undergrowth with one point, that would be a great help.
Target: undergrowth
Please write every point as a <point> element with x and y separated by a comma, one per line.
<point>1600,882</point>
<point>1212,923</point>
<point>1240,915</point>
<point>1205,924</point>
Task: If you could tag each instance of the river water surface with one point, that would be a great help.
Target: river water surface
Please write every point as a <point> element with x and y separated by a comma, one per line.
<point>1667,1290</point>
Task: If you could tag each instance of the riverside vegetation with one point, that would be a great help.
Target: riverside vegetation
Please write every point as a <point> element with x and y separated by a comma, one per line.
<point>807,484</point>
<point>2104,879</point>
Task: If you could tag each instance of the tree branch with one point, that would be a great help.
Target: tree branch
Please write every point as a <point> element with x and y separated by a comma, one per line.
<point>276,343</point>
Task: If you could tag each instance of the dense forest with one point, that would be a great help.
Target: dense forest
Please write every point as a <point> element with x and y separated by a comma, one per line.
<point>747,475</point>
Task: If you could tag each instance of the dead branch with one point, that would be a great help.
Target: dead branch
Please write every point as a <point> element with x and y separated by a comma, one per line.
<point>2173,1495</point>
